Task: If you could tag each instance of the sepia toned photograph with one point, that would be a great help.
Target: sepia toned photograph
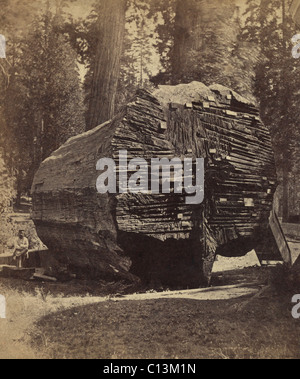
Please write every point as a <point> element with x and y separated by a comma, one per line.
<point>149,182</point>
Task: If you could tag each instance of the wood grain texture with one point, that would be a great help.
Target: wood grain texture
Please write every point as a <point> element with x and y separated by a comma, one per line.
<point>159,238</point>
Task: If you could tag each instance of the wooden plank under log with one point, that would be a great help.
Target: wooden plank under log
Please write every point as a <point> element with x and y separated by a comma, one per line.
<point>280,239</point>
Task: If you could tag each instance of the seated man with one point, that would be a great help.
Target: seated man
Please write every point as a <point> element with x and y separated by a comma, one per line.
<point>21,247</point>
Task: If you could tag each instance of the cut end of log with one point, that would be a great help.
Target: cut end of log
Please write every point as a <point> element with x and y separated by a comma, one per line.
<point>159,237</point>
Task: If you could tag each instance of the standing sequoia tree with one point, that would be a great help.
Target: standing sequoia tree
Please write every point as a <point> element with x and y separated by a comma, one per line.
<point>200,42</point>
<point>106,70</point>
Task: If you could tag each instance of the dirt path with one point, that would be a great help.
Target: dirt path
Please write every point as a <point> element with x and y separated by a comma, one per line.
<point>22,312</point>
<point>213,293</point>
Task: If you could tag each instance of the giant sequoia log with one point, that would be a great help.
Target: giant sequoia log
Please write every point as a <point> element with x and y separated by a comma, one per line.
<point>160,237</point>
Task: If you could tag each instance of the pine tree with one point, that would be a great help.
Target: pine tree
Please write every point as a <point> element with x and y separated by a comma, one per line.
<point>43,105</point>
<point>269,25</point>
<point>14,15</point>
<point>50,75</point>
<point>137,57</point>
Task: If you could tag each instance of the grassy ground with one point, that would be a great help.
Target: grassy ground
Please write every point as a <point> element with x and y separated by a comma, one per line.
<point>79,288</point>
<point>173,328</point>
<point>69,321</point>
<point>26,305</point>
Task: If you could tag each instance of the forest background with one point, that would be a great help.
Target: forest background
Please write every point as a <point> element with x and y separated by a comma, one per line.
<point>71,64</point>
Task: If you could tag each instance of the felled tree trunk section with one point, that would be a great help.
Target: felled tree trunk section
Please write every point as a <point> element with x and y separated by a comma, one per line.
<point>159,238</point>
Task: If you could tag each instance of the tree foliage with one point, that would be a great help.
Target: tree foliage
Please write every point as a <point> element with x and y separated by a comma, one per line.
<point>124,43</point>
<point>43,104</point>
<point>199,41</point>
<point>268,24</point>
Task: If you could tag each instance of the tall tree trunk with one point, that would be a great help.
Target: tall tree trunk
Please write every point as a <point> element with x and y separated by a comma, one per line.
<point>285,100</point>
<point>207,48</point>
<point>111,28</point>
<point>285,193</point>
<point>181,37</point>
<point>196,22</point>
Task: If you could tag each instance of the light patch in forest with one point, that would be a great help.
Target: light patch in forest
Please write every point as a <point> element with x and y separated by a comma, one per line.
<point>2,47</point>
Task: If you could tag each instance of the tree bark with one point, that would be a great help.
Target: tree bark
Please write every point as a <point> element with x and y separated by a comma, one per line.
<point>207,49</point>
<point>111,24</point>
<point>181,37</point>
<point>285,196</point>
<point>195,21</point>
<point>285,105</point>
<point>158,237</point>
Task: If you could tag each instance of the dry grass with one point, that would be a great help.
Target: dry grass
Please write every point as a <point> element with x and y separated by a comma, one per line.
<point>24,309</point>
<point>69,321</point>
<point>168,329</point>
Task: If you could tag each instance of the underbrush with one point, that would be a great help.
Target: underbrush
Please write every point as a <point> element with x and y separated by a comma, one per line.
<point>284,280</point>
